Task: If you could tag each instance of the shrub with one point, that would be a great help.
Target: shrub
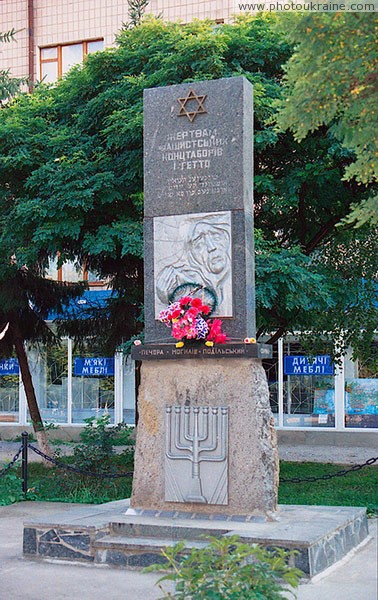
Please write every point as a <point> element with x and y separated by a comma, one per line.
<point>228,569</point>
<point>96,452</point>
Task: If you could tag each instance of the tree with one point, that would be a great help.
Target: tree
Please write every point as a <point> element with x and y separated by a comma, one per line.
<point>331,80</point>
<point>26,300</point>
<point>71,177</point>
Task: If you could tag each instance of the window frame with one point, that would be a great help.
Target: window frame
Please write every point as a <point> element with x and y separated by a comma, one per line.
<point>58,60</point>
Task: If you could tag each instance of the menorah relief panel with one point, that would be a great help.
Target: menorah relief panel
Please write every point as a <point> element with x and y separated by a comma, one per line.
<point>196,454</point>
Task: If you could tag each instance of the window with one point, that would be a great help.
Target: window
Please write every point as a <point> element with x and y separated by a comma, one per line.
<point>69,271</point>
<point>57,60</point>
<point>361,391</point>
<point>72,272</point>
<point>49,372</point>
<point>9,391</point>
<point>92,383</point>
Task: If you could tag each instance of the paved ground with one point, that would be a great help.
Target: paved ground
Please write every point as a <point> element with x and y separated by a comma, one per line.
<point>24,579</point>
<point>326,454</point>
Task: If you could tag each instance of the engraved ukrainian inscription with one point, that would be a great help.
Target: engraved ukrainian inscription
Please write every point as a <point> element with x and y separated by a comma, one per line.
<point>196,454</point>
<point>188,150</point>
<point>194,248</point>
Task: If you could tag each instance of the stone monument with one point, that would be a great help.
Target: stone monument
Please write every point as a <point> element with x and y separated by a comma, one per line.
<point>206,442</point>
<point>206,457</point>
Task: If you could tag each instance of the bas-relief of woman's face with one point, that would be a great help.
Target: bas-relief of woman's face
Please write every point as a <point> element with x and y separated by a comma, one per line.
<point>209,245</point>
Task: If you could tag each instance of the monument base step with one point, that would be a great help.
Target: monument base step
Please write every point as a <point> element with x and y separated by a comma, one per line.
<point>322,535</point>
<point>132,552</point>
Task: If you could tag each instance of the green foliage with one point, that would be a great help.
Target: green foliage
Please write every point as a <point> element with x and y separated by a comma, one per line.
<point>10,488</point>
<point>96,453</point>
<point>330,81</point>
<point>357,488</point>
<point>294,293</point>
<point>227,569</point>
<point>362,213</point>
<point>128,345</point>
<point>49,426</point>
<point>7,36</point>
<point>26,298</point>
<point>58,485</point>
<point>136,11</point>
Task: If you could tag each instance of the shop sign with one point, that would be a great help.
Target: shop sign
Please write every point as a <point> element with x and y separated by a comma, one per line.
<point>9,366</point>
<point>94,367</point>
<point>305,365</point>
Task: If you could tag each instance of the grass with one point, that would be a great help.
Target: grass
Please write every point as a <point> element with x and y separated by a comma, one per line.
<point>358,488</point>
<point>58,485</point>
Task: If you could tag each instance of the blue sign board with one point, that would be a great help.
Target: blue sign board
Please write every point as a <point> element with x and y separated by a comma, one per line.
<point>304,365</point>
<point>94,367</point>
<point>9,366</point>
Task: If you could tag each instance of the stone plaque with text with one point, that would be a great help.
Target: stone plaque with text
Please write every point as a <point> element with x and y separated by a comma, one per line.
<point>200,350</point>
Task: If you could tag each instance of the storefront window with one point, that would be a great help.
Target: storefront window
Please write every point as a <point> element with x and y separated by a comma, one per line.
<point>9,395</point>
<point>309,401</point>
<point>361,391</point>
<point>49,369</point>
<point>92,384</point>
<point>308,390</point>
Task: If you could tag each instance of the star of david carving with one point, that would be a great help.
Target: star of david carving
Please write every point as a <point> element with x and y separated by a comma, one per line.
<point>198,110</point>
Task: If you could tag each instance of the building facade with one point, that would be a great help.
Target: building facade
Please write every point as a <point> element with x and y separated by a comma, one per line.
<point>53,35</point>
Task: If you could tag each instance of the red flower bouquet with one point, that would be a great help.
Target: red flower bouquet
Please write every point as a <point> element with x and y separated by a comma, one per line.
<point>187,320</point>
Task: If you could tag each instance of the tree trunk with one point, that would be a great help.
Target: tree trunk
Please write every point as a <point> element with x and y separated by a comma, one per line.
<point>35,415</point>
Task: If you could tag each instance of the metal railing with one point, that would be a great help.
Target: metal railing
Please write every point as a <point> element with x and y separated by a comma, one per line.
<point>23,452</point>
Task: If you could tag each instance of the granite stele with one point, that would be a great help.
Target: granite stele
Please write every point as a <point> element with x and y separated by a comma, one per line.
<point>206,458</point>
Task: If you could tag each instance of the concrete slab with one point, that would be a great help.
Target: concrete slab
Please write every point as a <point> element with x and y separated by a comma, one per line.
<point>355,578</point>
<point>342,455</point>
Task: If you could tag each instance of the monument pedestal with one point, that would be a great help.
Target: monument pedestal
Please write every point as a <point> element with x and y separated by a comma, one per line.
<point>103,534</point>
<point>236,471</point>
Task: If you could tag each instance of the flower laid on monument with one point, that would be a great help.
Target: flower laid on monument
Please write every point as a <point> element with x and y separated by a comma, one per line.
<point>187,319</point>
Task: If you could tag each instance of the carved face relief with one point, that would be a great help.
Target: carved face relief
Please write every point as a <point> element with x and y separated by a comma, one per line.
<point>193,248</point>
